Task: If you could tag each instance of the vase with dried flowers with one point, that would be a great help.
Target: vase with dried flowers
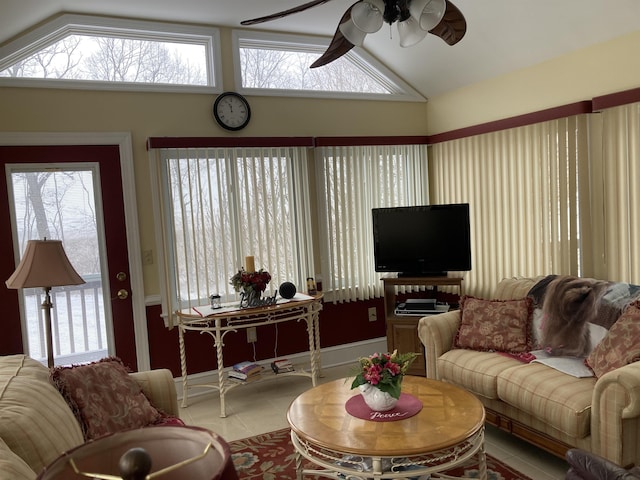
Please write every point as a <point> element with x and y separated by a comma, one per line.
<point>379,378</point>
<point>250,285</point>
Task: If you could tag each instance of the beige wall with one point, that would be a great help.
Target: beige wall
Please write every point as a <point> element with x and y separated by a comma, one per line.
<point>172,114</point>
<point>599,70</point>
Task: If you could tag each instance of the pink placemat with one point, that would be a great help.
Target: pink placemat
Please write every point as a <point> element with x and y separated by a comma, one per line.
<point>407,406</point>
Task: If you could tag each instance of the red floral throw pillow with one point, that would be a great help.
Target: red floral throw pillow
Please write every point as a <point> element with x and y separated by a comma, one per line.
<point>620,346</point>
<point>495,325</point>
<point>104,398</point>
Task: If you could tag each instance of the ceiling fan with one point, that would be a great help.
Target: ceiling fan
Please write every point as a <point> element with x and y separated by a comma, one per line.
<point>416,18</point>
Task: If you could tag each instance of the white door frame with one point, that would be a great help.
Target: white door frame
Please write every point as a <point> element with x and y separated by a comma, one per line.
<point>123,141</point>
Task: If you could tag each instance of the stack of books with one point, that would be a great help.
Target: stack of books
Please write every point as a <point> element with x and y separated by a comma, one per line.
<point>282,366</point>
<point>245,371</point>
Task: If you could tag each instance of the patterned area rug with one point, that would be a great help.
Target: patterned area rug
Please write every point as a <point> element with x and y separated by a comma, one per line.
<point>270,457</point>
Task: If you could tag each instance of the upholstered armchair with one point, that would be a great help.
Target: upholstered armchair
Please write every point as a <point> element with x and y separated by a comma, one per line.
<point>587,466</point>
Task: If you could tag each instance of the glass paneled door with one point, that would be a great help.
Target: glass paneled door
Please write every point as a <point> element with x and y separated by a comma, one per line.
<point>73,194</point>
<point>62,203</point>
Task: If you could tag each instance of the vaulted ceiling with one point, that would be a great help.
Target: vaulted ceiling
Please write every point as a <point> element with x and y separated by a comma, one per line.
<point>502,35</point>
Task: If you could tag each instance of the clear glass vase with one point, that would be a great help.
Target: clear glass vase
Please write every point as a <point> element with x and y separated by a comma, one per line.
<point>250,298</point>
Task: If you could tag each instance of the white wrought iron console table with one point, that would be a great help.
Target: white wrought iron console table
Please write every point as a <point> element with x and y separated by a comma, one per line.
<point>219,323</point>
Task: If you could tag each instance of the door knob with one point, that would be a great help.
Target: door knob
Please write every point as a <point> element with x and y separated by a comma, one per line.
<point>123,294</point>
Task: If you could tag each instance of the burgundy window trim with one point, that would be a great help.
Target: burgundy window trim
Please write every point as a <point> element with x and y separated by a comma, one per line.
<point>195,142</point>
<point>227,142</point>
<point>513,122</point>
<point>368,141</point>
<point>616,99</point>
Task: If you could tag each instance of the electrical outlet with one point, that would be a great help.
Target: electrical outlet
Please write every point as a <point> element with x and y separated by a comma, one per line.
<point>147,257</point>
<point>373,315</point>
<point>252,335</point>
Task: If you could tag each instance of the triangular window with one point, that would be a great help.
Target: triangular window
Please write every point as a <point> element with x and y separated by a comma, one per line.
<point>278,64</point>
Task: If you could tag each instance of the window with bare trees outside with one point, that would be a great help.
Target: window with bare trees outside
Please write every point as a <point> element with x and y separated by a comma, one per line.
<point>90,50</point>
<point>355,179</point>
<point>276,64</point>
<point>61,204</point>
<point>221,204</point>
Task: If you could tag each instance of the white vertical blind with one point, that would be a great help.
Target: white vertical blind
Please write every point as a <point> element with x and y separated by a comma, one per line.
<point>222,204</point>
<point>619,183</point>
<point>351,181</point>
<point>524,188</point>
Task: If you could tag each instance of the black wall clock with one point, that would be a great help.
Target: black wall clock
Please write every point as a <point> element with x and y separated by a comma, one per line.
<point>231,110</point>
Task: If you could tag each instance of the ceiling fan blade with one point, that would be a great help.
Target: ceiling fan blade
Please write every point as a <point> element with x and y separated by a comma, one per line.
<point>452,27</point>
<point>339,44</point>
<point>284,13</point>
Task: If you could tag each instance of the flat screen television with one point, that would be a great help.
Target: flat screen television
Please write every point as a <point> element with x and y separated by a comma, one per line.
<point>428,240</point>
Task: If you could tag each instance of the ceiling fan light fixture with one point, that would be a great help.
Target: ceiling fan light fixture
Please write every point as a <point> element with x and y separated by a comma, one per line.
<point>410,32</point>
<point>367,15</point>
<point>416,19</point>
<point>429,13</point>
<point>352,33</point>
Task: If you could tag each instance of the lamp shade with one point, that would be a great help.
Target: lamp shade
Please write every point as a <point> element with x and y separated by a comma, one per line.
<point>187,452</point>
<point>367,15</point>
<point>352,33</point>
<point>410,32</point>
<point>429,13</point>
<point>44,264</point>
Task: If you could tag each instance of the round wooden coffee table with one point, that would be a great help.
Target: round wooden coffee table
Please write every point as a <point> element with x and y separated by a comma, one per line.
<point>448,431</point>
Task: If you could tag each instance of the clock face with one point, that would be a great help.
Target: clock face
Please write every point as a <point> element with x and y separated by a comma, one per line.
<point>231,110</point>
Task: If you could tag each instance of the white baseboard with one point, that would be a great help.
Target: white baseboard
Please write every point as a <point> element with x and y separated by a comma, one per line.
<point>329,357</point>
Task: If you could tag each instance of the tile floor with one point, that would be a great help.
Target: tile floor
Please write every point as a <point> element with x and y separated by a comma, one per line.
<point>261,407</point>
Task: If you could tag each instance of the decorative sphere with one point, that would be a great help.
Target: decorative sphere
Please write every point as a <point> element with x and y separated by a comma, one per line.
<point>287,290</point>
<point>135,464</point>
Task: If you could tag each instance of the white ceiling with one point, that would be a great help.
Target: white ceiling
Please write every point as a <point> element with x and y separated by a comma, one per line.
<point>502,35</point>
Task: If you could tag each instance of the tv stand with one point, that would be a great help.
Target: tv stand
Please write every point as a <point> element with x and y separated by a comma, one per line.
<point>421,275</point>
<point>402,330</point>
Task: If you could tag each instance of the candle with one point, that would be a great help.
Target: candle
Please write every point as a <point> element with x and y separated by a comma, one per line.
<point>249,264</point>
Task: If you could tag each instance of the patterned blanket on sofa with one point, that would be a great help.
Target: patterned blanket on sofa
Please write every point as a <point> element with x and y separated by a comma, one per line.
<point>611,304</point>
<point>572,315</point>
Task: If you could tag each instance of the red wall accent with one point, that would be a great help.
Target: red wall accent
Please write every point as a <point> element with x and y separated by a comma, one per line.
<point>106,156</point>
<point>339,324</point>
<point>11,338</point>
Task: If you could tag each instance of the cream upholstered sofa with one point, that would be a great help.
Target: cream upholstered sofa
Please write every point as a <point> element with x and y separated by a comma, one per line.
<point>37,424</point>
<point>535,402</point>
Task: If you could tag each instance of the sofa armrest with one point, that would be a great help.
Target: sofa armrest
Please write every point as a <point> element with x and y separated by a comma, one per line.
<point>615,415</point>
<point>436,332</point>
<point>160,388</point>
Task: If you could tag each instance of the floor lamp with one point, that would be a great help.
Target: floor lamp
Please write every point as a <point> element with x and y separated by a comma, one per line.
<point>45,264</point>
